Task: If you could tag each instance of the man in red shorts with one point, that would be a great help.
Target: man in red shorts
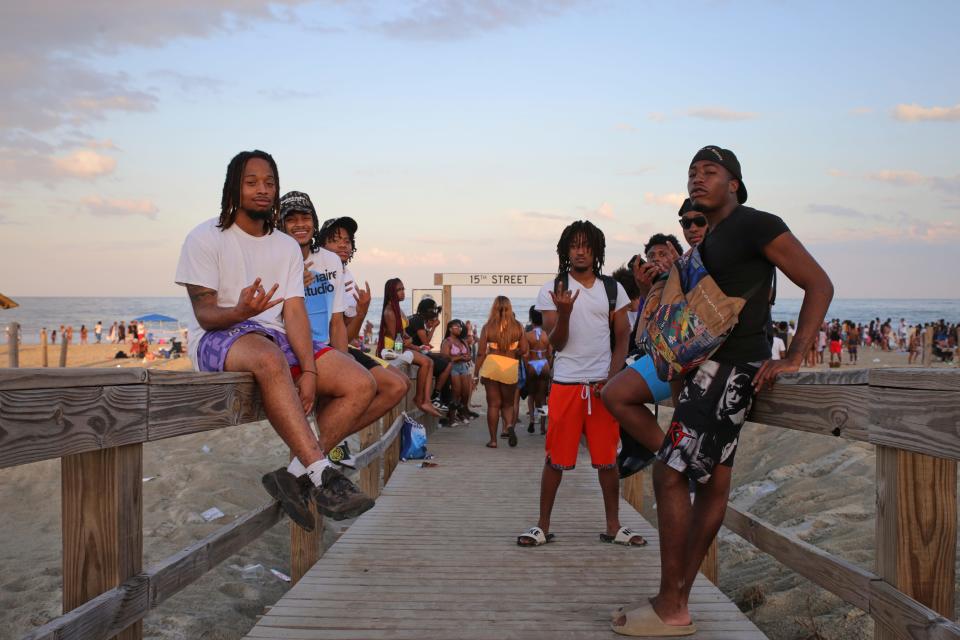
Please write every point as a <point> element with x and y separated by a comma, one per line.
<point>581,310</point>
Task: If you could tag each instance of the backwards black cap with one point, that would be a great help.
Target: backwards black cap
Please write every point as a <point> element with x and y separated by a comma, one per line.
<point>726,159</point>
<point>686,207</point>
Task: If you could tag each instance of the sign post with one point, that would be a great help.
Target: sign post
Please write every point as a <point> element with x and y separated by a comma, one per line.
<point>494,279</point>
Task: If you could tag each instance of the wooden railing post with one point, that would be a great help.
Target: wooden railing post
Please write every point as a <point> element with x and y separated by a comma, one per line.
<point>916,529</point>
<point>926,347</point>
<point>44,359</point>
<point>13,345</point>
<point>63,351</point>
<point>305,546</point>
<point>102,504</point>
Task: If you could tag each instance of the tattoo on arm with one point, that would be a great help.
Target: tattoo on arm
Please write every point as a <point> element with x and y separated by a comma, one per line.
<point>200,294</point>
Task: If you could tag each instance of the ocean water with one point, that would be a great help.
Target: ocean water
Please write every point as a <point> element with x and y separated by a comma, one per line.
<point>35,313</point>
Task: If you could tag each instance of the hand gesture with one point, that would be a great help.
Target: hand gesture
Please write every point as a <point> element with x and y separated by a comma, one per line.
<point>562,299</point>
<point>648,273</point>
<point>308,276</point>
<point>254,300</point>
<point>363,297</point>
<point>307,390</point>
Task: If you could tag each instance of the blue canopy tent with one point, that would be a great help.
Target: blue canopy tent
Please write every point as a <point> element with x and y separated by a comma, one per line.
<point>160,326</point>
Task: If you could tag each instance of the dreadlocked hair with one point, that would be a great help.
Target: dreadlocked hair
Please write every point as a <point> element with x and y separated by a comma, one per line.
<point>591,235</point>
<point>391,300</point>
<point>328,235</point>
<point>230,200</point>
<point>502,326</point>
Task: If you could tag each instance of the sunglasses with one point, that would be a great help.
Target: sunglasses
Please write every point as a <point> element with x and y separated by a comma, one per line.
<point>700,221</point>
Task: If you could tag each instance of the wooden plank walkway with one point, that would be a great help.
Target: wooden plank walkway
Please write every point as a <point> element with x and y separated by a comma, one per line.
<point>437,558</point>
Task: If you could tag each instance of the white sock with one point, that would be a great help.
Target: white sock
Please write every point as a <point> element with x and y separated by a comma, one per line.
<point>296,468</point>
<point>315,471</point>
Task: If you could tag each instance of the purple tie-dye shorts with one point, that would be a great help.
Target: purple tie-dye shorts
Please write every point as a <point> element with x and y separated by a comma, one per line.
<point>214,345</point>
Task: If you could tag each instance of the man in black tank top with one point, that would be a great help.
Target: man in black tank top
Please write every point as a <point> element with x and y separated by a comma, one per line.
<point>741,250</point>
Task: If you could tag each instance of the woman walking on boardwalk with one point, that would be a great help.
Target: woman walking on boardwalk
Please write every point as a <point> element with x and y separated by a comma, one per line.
<point>538,369</point>
<point>502,345</point>
<point>393,324</point>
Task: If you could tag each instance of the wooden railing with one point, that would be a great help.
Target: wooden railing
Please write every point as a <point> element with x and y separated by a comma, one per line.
<point>912,416</point>
<point>96,421</point>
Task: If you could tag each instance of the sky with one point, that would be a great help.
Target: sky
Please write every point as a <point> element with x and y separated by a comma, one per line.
<point>463,135</point>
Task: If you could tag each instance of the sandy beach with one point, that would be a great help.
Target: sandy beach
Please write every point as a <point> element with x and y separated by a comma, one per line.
<point>821,489</point>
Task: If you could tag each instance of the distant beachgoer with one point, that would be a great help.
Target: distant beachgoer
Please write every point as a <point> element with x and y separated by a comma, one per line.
<point>98,331</point>
<point>393,324</point>
<point>69,334</point>
<point>83,334</point>
<point>913,346</point>
<point>821,342</point>
<point>539,357</point>
<point>237,324</point>
<point>122,332</point>
<point>836,343</point>
<point>853,344</point>
<point>779,349</point>
<point>132,332</point>
<point>693,223</point>
<point>53,336</point>
<point>741,252</point>
<point>502,346</point>
<point>589,336</point>
<point>456,350</point>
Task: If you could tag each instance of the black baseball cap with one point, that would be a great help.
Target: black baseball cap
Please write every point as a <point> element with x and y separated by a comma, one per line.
<point>345,222</point>
<point>686,207</point>
<point>726,159</point>
<point>296,201</point>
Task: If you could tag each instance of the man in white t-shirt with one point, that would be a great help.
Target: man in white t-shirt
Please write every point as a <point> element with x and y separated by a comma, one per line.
<point>778,349</point>
<point>329,302</point>
<point>579,311</point>
<point>238,325</point>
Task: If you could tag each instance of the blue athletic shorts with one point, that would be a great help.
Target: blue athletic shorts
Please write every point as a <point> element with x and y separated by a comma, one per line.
<point>659,388</point>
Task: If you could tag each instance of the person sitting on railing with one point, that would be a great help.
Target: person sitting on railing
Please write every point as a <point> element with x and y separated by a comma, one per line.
<point>338,235</point>
<point>422,325</point>
<point>393,325</point>
<point>239,325</point>
<point>740,252</point>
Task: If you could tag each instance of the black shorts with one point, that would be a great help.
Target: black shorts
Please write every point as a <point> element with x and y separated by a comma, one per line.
<point>363,359</point>
<point>705,428</point>
<point>439,363</point>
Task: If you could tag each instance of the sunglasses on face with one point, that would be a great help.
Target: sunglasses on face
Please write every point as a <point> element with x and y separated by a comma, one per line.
<point>700,221</point>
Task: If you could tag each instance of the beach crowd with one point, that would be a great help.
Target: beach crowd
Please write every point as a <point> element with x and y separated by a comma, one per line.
<point>272,293</point>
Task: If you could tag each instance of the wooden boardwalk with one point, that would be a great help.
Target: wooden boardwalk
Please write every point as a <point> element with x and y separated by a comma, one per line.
<point>437,558</point>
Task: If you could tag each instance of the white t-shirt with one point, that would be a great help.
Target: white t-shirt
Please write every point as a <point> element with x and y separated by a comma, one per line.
<point>586,356</point>
<point>349,302</point>
<point>778,346</point>
<point>324,296</point>
<point>227,260</point>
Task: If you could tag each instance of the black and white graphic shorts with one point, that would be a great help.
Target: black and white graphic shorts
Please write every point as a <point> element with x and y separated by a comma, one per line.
<point>705,429</point>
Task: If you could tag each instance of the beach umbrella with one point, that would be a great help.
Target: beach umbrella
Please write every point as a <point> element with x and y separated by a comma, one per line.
<point>154,317</point>
<point>7,303</point>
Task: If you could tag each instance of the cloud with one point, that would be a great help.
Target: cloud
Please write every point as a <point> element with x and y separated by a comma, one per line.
<point>51,86</point>
<point>949,185</point>
<point>908,231</point>
<point>861,111</point>
<point>721,113</point>
<point>623,126</point>
<point>111,207</point>
<point>186,82</point>
<point>837,210</point>
<point>85,163</point>
<point>899,178</point>
<point>377,256</point>
<point>672,199</point>
<point>917,113</point>
<point>604,211</point>
<point>459,19</point>
<point>837,173</point>
<point>657,116</point>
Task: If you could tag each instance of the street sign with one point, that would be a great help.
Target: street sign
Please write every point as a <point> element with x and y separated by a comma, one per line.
<point>496,279</point>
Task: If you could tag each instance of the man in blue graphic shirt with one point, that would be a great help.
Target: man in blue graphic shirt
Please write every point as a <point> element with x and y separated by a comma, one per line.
<point>323,271</point>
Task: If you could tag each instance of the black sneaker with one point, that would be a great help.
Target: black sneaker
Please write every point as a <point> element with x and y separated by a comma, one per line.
<point>292,494</point>
<point>339,498</point>
<point>341,455</point>
<point>630,460</point>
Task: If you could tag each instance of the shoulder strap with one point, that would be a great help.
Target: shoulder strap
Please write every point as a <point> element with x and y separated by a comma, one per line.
<point>610,286</point>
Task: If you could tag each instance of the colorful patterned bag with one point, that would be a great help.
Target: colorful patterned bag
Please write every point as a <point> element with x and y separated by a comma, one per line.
<point>686,317</point>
